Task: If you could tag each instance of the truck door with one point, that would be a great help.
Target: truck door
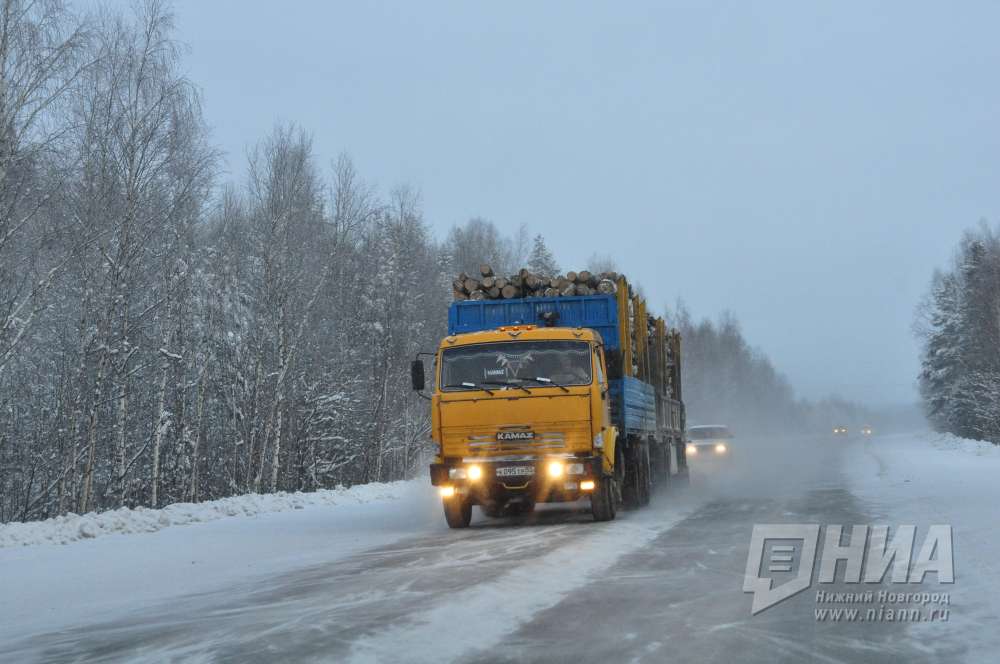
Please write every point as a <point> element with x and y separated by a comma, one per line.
<point>602,386</point>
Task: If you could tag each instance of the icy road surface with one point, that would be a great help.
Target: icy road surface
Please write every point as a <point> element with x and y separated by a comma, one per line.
<point>388,582</point>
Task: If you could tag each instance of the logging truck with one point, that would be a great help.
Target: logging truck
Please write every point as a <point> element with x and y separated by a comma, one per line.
<point>547,395</point>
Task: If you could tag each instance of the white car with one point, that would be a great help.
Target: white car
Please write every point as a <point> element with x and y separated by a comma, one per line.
<point>709,441</point>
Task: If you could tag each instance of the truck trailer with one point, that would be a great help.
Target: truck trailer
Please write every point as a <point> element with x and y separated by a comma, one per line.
<point>554,399</point>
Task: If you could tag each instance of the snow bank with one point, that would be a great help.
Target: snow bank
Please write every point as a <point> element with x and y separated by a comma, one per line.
<point>947,441</point>
<point>75,527</point>
<point>931,478</point>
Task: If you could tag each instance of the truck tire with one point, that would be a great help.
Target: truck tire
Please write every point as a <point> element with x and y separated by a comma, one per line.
<point>626,466</point>
<point>457,512</point>
<point>645,475</point>
<point>636,491</point>
<point>662,471</point>
<point>602,501</point>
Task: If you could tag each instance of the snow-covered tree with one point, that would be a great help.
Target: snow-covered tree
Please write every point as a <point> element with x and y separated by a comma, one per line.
<point>541,260</point>
<point>598,263</point>
<point>959,323</point>
<point>479,241</point>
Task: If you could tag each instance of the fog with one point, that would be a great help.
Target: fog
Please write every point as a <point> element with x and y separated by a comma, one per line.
<point>804,167</point>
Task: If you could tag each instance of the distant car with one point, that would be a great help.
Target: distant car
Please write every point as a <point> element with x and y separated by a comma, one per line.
<point>840,431</point>
<point>866,430</point>
<point>709,441</point>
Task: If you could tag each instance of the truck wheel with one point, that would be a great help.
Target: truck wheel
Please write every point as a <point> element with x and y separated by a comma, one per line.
<point>602,501</point>
<point>457,512</point>
<point>630,479</point>
<point>644,476</point>
<point>637,489</point>
<point>663,466</point>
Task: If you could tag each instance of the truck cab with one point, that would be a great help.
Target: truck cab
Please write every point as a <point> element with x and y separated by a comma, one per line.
<point>521,415</point>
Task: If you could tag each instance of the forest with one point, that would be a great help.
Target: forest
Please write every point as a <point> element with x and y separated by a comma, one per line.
<point>169,336</point>
<point>959,325</point>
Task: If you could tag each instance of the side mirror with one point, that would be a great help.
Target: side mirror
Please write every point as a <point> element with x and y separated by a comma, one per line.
<point>417,375</point>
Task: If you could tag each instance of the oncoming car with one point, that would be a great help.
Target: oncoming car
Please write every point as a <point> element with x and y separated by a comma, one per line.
<point>708,441</point>
<point>866,430</point>
<point>839,431</point>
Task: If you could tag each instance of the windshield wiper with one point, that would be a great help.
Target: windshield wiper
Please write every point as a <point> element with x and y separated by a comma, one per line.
<point>548,381</point>
<point>467,384</point>
<point>507,383</point>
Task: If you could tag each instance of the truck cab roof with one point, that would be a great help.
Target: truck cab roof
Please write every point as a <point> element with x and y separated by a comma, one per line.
<point>522,333</point>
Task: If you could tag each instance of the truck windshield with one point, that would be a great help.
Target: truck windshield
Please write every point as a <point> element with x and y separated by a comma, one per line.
<point>516,363</point>
<point>708,433</point>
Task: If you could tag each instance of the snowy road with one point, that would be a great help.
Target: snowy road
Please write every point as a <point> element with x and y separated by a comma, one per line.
<point>657,584</point>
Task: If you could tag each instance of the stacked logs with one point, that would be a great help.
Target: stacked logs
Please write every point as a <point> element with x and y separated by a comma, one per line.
<point>489,286</point>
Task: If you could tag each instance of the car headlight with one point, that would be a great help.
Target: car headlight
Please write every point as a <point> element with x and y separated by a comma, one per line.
<point>691,449</point>
<point>720,448</point>
<point>556,469</point>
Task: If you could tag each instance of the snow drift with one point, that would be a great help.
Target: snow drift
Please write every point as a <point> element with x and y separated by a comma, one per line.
<point>74,527</point>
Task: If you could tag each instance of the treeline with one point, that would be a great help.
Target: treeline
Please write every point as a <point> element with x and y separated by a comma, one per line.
<point>163,338</point>
<point>959,325</point>
<point>728,381</point>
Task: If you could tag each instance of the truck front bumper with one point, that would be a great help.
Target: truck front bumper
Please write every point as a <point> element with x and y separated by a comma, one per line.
<point>539,479</point>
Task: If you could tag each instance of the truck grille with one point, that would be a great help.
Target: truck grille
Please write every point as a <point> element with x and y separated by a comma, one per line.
<point>549,440</point>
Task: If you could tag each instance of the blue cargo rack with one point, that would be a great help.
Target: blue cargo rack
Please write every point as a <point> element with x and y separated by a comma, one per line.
<point>633,402</point>
<point>633,405</point>
<point>596,312</point>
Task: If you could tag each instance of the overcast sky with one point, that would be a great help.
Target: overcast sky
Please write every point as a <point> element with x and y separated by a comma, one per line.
<point>803,165</point>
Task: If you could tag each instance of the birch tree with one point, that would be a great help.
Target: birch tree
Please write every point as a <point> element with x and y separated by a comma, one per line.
<point>42,53</point>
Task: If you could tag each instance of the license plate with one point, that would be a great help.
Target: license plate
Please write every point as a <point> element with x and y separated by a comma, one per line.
<point>515,471</point>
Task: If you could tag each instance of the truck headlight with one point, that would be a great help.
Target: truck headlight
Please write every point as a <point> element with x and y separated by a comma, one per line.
<point>691,449</point>
<point>574,469</point>
<point>466,473</point>
<point>556,469</point>
<point>720,448</point>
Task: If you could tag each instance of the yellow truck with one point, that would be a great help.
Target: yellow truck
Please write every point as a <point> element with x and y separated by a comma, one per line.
<point>554,399</point>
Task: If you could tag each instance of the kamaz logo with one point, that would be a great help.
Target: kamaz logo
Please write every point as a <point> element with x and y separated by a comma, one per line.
<point>503,436</point>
